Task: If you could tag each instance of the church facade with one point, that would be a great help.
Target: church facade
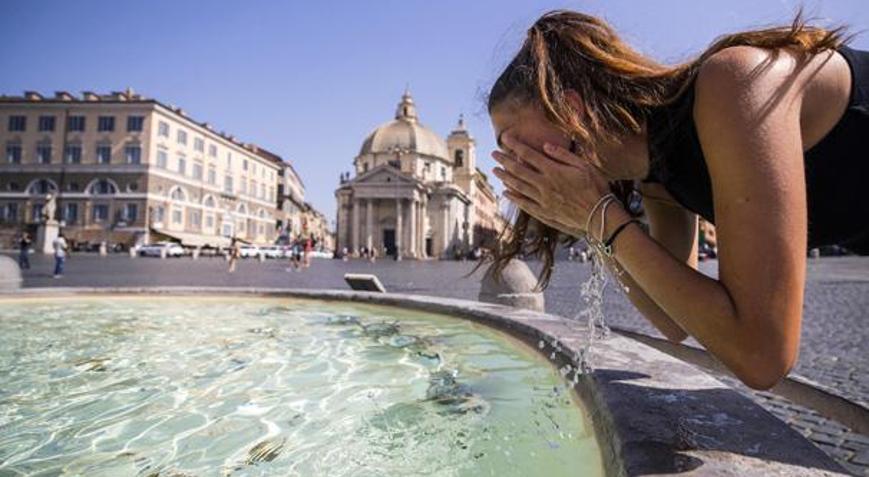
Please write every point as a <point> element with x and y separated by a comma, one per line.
<point>414,194</point>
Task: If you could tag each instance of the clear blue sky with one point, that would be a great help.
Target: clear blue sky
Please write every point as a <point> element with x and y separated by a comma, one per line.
<point>310,79</point>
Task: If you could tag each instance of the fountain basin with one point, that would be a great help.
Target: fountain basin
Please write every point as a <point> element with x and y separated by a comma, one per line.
<point>650,413</point>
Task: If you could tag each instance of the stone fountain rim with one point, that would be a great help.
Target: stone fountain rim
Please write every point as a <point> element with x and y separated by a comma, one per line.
<point>652,414</point>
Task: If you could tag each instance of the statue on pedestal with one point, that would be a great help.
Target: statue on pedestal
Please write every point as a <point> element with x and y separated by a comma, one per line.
<point>49,209</point>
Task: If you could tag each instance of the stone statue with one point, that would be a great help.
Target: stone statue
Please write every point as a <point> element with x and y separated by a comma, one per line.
<point>49,208</point>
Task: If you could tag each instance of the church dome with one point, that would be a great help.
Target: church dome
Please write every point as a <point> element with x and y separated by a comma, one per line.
<point>405,132</point>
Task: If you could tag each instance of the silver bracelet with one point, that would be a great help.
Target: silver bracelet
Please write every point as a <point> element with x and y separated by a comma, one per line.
<point>593,209</point>
<point>603,218</point>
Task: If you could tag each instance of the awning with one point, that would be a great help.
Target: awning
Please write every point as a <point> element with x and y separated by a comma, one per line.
<point>195,240</point>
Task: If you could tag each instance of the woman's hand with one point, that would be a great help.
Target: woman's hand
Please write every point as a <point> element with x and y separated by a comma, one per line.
<point>556,187</point>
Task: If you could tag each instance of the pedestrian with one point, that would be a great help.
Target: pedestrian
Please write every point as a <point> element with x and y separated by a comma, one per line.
<point>309,247</point>
<point>24,251</point>
<point>234,253</point>
<point>774,121</point>
<point>60,250</point>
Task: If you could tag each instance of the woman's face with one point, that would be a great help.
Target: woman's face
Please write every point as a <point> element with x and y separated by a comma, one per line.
<point>527,124</point>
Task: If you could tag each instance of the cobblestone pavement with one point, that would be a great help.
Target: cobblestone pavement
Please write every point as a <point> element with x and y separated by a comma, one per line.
<point>833,350</point>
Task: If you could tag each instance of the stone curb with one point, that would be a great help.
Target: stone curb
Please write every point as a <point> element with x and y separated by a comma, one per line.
<point>652,414</point>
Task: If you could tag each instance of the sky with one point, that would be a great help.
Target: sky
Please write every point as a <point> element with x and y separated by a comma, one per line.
<point>309,80</point>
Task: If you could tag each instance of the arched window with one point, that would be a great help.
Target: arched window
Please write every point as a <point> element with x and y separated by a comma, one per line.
<point>460,158</point>
<point>42,187</point>
<point>177,193</point>
<point>209,201</point>
<point>102,187</point>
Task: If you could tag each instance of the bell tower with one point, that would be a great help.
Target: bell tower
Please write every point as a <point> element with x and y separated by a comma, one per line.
<point>463,153</point>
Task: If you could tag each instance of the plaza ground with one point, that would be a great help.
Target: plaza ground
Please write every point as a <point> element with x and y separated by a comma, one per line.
<point>833,350</point>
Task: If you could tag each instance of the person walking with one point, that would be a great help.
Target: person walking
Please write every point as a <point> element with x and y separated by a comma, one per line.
<point>234,253</point>
<point>60,250</point>
<point>24,251</point>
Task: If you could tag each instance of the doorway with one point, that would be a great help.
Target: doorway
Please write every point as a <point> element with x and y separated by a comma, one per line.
<point>429,246</point>
<point>389,241</point>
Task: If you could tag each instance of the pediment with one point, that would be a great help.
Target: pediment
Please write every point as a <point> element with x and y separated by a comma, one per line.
<point>384,175</point>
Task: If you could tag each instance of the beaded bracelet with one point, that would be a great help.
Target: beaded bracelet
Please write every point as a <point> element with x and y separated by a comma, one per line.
<point>608,245</point>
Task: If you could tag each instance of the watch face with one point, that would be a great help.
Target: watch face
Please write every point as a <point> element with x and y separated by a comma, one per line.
<point>635,203</point>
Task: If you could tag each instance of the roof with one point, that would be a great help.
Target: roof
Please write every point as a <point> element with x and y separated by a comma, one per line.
<point>405,134</point>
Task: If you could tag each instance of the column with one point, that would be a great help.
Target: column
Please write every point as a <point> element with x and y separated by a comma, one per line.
<point>369,225</point>
<point>423,230</point>
<point>445,209</point>
<point>355,230</point>
<point>398,238</point>
<point>413,239</point>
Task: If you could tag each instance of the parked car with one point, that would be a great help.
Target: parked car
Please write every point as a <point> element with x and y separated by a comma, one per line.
<point>272,251</point>
<point>248,251</point>
<point>322,254</point>
<point>172,249</point>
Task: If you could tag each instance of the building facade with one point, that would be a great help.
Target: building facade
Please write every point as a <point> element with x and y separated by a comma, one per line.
<point>126,169</point>
<point>413,194</point>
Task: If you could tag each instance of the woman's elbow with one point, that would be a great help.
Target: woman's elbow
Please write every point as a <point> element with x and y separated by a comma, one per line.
<point>764,376</point>
<point>675,336</point>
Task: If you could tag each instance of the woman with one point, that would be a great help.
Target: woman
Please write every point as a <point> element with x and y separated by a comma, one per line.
<point>765,134</point>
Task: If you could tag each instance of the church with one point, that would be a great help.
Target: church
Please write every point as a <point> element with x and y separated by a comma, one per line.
<point>414,194</point>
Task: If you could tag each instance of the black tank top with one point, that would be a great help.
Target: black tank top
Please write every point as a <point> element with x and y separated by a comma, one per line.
<point>837,168</point>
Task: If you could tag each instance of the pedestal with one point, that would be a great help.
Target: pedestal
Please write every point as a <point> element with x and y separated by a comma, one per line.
<point>45,235</point>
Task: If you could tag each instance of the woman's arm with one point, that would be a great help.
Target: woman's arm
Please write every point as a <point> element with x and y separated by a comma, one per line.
<point>676,230</point>
<point>749,128</point>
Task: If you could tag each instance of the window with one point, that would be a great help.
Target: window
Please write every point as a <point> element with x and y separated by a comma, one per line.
<point>43,154</point>
<point>72,187</point>
<point>72,154</point>
<point>163,129</point>
<point>209,221</point>
<point>199,144</point>
<point>365,167</point>
<point>10,213</point>
<point>135,123</point>
<point>460,158</point>
<point>106,123</point>
<point>13,153</point>
<point>178,194</point>
<point>197,171</point>
<point>132,187</point>
<point>46,123</point>
<point>443,173</point>
<point>212,150</point>
<point>182,166</point>
<point>104,154</point>
<point>252,188</point>
<point>243,189</point>
<point>131,212</point>
<point>262,191</point>
<point>212,175</point>
<point>181,137</point>
<point>36,212</point>
<point>227,184</point>
<point>42,187</point>
<point>209,202</point>
<point>70,213</point>
<point>244,164</point>
<point>133,154</point>
<point>162,159</point>
<point>176,216</point>
<point>17,123</point>
<point>228,159</point>
<point>100,213</point>
<point>196,218</point>
<point>75,123</point>
<point>103,187</point>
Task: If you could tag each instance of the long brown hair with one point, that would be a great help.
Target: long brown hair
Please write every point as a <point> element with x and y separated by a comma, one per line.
<point>619,87</point>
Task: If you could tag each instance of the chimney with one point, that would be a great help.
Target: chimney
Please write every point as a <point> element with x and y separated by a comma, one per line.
<point>90,96</point>
<point>63,96</point>
<point>32,96</point>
